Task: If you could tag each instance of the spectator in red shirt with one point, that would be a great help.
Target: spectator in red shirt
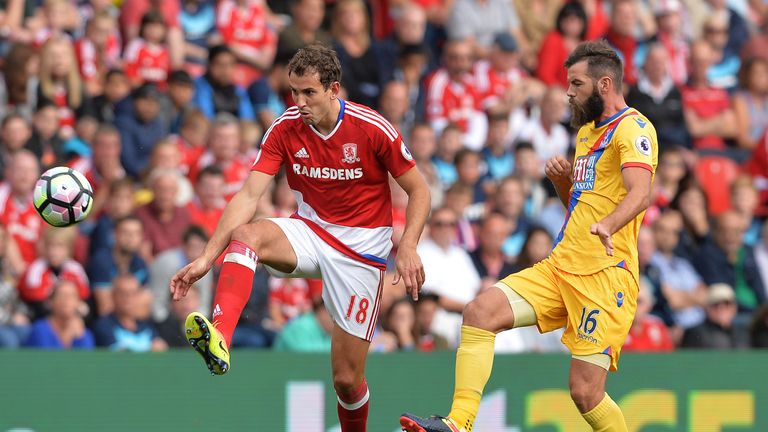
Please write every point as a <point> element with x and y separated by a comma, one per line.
<point>55,263</point>
<point>132,12</point>
<point>244,28</point>
<point>147,59</point>
<point>17,214</point>
<point>206,208</point>
<point>570,30</point>
<point>98,51</point>
<point>708,113</point>
<point>164,222</point>
<point>451,96</point>
<point>222,151</point>
<point>648,333</point>
<point>60,84</point>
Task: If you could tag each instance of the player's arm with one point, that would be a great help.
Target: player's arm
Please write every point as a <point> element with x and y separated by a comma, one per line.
<point>409,266</point>
<point>239,211</point>
<point>637,181</point>
<point>558,170</point>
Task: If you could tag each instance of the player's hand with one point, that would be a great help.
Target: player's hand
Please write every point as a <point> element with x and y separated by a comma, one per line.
<point>558,169</point>
<point>600,230</point>
<point>184,278</point>
<point>410,269</point>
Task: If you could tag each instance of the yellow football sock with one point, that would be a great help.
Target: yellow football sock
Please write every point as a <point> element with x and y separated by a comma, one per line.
<point>606,417</point>
<point>474,361</point>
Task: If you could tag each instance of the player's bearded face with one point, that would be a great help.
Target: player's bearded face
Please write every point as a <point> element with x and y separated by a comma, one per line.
<point>587,111</point>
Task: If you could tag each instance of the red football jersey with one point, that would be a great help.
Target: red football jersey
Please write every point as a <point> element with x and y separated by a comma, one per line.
<point>492,85</point>
<point>21,221</point>
<point>452,100</point>
<point>89,60</point>
<point>38,280</point>
<point>341,180</point>
<point>248,28</point>
<point>147,63</point>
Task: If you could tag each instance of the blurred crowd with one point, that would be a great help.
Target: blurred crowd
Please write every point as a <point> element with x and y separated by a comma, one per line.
<point>162,104</point>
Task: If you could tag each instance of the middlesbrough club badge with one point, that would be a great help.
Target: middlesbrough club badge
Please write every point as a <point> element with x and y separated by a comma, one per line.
<point>350,153</point>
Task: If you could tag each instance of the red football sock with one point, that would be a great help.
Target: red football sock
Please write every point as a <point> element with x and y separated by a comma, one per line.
<point>353,409</point>
<point>234,287</point>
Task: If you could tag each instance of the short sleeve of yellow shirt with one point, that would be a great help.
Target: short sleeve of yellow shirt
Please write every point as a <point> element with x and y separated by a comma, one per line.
<point>603,150</point>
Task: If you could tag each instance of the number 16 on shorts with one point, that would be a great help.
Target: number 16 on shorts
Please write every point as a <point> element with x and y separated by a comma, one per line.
<point>588,321</point>
<point>361,306</point>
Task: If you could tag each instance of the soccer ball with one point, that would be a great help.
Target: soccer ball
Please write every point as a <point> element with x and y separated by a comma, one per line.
<point>63,196</point>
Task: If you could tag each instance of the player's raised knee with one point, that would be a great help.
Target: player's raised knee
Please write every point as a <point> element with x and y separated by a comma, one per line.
<point>251,234</point>
<point>478,313</point>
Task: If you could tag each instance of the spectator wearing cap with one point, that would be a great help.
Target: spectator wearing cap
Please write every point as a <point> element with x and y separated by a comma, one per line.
<point>570,30</point>
<point>727,260</point>
<point>503,85</point>
<point>181,89</point>
<point>452,98</point>
<point>657,95</point>
<point>169,262</point>
<point>140,126</point>
<point>216,91</point>
<point>64,327</point>
<point>480,20</point>
<point>164,221</point>
<point>720,330</point>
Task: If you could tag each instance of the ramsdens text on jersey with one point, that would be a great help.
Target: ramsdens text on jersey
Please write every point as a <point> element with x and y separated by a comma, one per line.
<point>328,173</point>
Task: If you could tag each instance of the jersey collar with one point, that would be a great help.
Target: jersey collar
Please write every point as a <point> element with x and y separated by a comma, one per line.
<point>611,118</point>
<point>338,122</point>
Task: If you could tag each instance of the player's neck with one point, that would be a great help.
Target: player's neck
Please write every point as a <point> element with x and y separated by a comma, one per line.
<point>613,105</point>
<point>328,123</point>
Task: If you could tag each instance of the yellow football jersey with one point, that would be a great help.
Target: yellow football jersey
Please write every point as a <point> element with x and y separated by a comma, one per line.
<point>627,139</point>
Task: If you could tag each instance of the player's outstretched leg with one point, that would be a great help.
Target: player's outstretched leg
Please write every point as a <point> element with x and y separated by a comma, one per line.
<point>483,317</point>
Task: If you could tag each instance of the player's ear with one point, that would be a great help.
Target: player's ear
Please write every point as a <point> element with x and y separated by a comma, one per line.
<point>604,84</point>
<point>335,88</point>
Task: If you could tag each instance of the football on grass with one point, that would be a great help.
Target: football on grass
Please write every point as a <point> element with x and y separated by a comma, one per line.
<point>63,196</point>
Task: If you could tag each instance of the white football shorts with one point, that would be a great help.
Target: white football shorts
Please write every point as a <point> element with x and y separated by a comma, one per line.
<point>351,289</point>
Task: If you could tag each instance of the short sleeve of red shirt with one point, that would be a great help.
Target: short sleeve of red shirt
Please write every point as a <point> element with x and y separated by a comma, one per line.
<point>270,157</point>
<point>395,155</point>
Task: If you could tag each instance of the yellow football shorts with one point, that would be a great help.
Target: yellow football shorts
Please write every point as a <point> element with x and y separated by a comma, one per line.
<point>596,310</point>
